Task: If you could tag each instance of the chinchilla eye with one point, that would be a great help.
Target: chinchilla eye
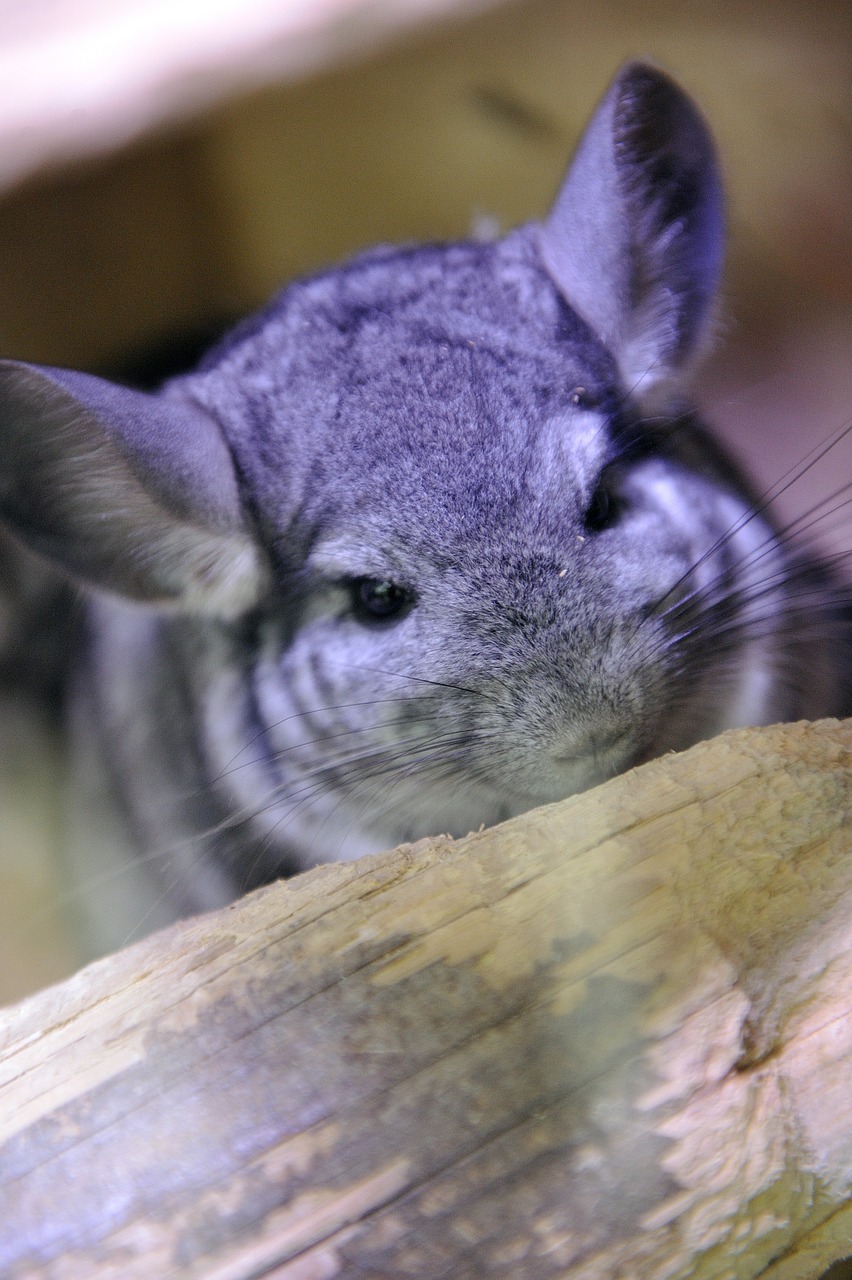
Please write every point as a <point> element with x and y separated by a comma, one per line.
<point>605,508</point>
<point>378,599</point>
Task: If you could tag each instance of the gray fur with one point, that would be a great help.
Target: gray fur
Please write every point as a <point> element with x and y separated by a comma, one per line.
<point>586,587</point>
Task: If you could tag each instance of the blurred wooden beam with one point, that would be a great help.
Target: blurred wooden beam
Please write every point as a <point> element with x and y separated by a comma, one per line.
<point>609,1038</point>
<point>83,76</point>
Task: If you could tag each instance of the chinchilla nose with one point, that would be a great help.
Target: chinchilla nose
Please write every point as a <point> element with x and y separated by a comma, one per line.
<point>592,749</point>
<point>608,734</point>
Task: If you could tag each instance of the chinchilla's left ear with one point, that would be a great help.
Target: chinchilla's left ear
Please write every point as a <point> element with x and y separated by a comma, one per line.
<point>130,492</point>
<point>634,241</point>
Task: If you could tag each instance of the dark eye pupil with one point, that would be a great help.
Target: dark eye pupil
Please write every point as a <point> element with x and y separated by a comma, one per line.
<point>604,509</point>
<point>379,598</point>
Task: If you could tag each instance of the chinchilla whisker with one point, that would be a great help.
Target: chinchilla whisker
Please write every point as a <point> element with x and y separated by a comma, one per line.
<point>794,474</point>
<point>361,762</point>
<point>715,594</point>
<point>374,800</point>
<point>314,783</point>
<point>281,753</point>
<point>382,764</point>
<point>389,762</point>
<point>162,855</point>
<point>492,677</point>
<point>797,584</point>
<point>407,675</point>
<point>441,767</point>
<point>815,517</point>
<point>333,764</point>
<point>764,503</point>
<point>138,929</point>
<point>720,628</point>
<point>713,629</point>
<point>810,459</point>
<point>298,715</point>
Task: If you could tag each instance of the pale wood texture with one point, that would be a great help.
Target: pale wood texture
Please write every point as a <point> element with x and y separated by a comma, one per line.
<point>609,1039</point>
<point>82,76</point>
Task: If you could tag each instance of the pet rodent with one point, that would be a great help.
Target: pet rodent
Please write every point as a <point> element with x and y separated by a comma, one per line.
<point>434,538</point>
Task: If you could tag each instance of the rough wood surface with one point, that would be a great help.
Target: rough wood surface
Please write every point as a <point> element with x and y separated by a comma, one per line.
<point>609,1039</point>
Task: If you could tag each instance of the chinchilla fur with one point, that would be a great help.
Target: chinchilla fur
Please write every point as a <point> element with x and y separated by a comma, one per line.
<point>435,538</point>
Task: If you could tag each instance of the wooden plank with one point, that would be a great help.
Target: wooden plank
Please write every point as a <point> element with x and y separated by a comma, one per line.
<point>609,1038</point>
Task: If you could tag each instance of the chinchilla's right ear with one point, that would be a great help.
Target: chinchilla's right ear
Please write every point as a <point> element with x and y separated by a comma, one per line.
<point>126,491</point>
<point>634,241</point>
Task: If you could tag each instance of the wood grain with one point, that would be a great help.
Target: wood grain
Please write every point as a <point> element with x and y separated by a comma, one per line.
<point>611,1038</point>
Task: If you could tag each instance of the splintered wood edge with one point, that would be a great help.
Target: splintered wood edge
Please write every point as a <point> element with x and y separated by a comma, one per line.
<point>662,967</point>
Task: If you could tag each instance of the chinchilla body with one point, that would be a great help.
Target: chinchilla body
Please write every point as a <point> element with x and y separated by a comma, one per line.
<point>434,539</point>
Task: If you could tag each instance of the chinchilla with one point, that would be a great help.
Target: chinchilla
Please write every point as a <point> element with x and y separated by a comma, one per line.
<point>434,538</point>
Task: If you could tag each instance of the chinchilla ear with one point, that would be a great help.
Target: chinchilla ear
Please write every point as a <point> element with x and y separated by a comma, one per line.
<point>126,491</point>
<point>634,241</point>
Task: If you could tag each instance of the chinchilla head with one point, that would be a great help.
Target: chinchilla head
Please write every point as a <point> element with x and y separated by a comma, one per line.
<point>434,534</point>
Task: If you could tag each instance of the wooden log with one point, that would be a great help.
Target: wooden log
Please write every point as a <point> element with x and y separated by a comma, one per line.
<point>609,1039</point>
